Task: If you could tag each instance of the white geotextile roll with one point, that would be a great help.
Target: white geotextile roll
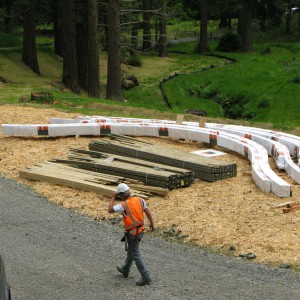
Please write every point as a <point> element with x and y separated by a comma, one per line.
<point>260,179</point>
<point>74,129</point>
<point>188,134</point>
<point>134,129</point>
<point>20,130</point>
<point>62,120</point>
<point>258,153</point>
<point>231,144</point>
<point>292,142</point>
<point>275,149</point>
<point>292,170</point>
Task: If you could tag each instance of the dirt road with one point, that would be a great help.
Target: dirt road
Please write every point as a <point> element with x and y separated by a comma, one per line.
<point>53,253</point>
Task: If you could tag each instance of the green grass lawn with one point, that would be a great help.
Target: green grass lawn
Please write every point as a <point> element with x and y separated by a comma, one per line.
<point>259,87</point>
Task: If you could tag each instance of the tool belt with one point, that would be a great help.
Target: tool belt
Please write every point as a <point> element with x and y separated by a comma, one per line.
<point>125,237</point>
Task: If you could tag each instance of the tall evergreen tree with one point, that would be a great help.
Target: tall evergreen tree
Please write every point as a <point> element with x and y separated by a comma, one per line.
<point>93,50</point>
<point>203,27</point>
<point>8,15</point>
<point>58,27</point>
<point>70,69</point>
<point>247,25</point>
<point>113,88</point>
<point>147,43</point>
<point>162,41</point>
<point>29,53</point>
<point>299,17</point>
<point>288,17</point>
<point>134,33</point>
<point>82,42</point>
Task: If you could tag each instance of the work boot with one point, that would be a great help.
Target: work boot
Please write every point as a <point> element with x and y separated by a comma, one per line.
<point>144,281</point>
<point>125,274</point>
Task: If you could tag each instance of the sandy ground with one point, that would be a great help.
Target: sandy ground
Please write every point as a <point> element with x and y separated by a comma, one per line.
<point>231,212</point>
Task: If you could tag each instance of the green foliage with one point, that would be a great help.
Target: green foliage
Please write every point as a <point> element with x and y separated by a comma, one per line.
<point>183,48</point>
<point>267,50</point>
<point>2,16</point>
<point>263,103</point>
<point>7,40</point>
<point>233,107</point>
<point>134,60</point>
<point>296,79</point>
<point>229,42</point>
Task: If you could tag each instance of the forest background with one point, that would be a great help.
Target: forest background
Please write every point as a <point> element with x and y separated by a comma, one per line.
<point>83,51</point>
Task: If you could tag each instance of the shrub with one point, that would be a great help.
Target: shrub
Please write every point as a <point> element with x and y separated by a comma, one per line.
<point>235,106</point>
<point>296,79</point>
<point>267,50</point>
<point>229,42</point>
<point>263,104</point>
<point>134,60</point>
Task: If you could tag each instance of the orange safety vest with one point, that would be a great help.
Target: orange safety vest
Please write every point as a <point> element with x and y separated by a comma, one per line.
<point>133,216</point>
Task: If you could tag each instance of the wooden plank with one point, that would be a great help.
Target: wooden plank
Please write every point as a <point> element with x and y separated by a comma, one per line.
<point>147,175</point>
<point>282,204</point>
<point>78,184</point>
<point>204,168</point>
<point>179,119</point>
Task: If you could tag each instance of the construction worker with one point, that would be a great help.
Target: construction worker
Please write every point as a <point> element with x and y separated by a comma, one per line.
<point>133,209</point>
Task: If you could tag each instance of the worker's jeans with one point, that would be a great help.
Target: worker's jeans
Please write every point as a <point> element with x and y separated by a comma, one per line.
<point>134,254</point>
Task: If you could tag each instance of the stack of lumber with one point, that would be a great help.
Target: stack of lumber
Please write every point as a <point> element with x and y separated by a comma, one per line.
<point>86,180</point>
<point>149,173</point>
<point>209,169</point>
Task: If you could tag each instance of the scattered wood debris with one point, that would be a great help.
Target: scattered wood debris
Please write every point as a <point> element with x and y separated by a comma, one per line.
<point>288,206</point>
<point>291,206</point>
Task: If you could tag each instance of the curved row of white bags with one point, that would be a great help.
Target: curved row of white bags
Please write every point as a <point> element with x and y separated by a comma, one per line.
<point>292,142</point>
<point>262,174</point>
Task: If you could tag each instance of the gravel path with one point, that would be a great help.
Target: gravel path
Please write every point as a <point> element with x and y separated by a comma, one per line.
<point>54,253</point>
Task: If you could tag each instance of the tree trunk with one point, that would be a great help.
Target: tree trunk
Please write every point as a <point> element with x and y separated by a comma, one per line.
<point>247,26</point>
<point>203,27</point>
<point>113,89</point>
<point>70,70</point>
<point>8,16</point>
<point>93,50</point>
<point>105,21</point>
<point>134,35</point>
<point>29,43</point>
<point>223,21</point>
<point>147,44</point>
<point>299,17</point>
<point>58,29</point>
<point>229,23</point>
<point>288,18</point>
<point>156,31</point>
<point>240,23</point>
<point>162,41</point>
<point>82,43</point>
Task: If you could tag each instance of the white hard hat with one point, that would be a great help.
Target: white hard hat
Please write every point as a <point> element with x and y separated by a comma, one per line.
<point>122,188</point>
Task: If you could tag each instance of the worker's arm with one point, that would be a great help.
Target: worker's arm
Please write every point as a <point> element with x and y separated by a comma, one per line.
<point>149,216</point>
<point>111,203</point>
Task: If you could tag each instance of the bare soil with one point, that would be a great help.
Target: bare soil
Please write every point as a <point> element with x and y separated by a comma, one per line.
<point>231,212</point>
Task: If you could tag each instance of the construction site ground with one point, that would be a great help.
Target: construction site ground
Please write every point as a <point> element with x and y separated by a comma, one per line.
<point>227,214</point>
